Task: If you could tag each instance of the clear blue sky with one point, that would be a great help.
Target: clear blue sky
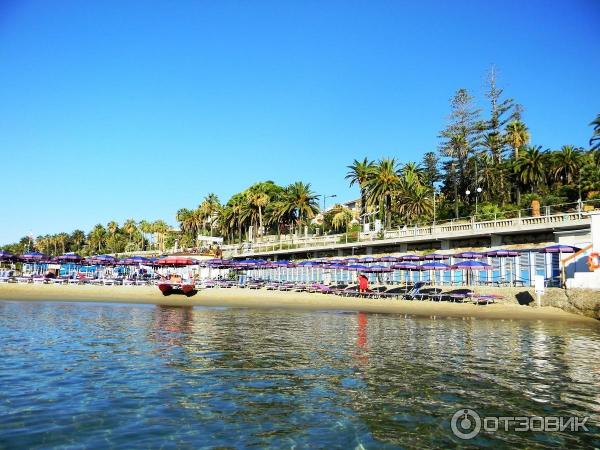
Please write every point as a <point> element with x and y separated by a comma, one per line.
<point>118,109</point>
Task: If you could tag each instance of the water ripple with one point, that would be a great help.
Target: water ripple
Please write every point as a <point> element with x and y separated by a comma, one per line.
<point>90,375</point>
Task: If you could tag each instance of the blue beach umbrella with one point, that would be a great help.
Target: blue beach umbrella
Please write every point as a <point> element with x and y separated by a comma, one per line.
<point>471,265</point>
<point>33,257</point>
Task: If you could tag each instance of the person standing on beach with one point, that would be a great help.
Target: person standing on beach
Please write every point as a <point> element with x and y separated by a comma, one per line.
<point>363,283</point>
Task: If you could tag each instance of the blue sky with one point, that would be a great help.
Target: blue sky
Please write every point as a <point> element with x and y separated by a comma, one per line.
<point>119,109</point>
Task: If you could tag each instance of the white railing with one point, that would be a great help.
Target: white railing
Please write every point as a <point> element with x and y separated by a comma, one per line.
<point>448,229</point>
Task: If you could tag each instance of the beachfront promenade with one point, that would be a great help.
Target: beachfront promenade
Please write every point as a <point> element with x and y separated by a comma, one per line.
<point>441,235</point>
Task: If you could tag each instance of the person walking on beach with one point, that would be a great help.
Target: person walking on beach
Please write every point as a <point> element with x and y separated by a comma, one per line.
<point>363,283</point>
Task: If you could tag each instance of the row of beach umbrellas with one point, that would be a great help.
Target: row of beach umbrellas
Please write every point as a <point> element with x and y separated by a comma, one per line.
<point>104,260</point>
<point>364,264</point>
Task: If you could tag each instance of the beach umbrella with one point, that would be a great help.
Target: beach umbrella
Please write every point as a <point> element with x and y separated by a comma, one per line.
<point>6,256</point>
<point>351,260</point>
<point>356,267</point>
<point>434,265</point>
<point>69,258</point>
<point>134,260</point>
<point>174,261</point>
<point>377,269</point>
<point>502,253</point>
<point>560,249</point>
<point>405,266</point>
<point>389,259</point>
<point>104,260</point>
<point>367,259</point>
<point>469,255</point>
<point>470,266</point>
<point>33,257</point>
<point>435,257</point>
<point>410,258</point>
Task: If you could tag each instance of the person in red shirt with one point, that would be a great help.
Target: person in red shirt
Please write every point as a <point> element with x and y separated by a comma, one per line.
<point>363,283</point>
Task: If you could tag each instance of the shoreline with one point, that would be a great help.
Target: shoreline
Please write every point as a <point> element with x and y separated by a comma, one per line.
<point>262,299</point>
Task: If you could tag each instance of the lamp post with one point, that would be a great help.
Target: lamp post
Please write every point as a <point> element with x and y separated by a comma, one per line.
<point>325,197</point>
<point>477,192</point>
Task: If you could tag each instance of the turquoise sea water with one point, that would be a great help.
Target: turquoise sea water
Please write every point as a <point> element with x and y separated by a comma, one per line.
<point>107,376</point>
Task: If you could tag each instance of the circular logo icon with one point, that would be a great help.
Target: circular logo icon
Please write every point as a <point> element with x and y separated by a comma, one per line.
<point>465,424</point>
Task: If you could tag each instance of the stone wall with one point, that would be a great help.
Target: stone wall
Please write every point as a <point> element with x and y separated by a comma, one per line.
<point>585,302</point>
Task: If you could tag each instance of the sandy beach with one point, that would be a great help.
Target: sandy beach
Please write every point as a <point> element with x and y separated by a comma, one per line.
<point>244,298</point>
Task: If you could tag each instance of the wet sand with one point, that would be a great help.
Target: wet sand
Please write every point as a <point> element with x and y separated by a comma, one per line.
<point>245,298</point>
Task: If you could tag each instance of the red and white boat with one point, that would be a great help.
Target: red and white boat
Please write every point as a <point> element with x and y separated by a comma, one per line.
<point>168,288</point>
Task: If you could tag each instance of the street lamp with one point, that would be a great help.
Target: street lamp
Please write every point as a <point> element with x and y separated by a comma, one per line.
<point>477,192</point>
<point>325,197</point>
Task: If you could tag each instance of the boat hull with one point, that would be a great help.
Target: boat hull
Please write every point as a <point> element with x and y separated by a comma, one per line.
<point>167,289</point>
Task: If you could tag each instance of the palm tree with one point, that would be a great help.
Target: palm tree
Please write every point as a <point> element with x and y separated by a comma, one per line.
<point>160,229</point>
<point>301,201</point>
<point>210,206</point>
<point>96,238</point>
<point>595,139</point>
<point>530,167</point>
<point>77,238</point>
<point>146,229</point>
<point>130,228</point>
<point>359,174</point>
<point>381,187</point>
<point>516,136</point>
<point>567,163</point>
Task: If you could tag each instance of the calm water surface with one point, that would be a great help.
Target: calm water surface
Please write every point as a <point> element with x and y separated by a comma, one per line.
<point>102,376</point>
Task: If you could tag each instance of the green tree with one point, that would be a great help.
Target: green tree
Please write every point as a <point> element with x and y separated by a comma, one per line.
<point>530,167</point>
<point>595,139</point>
<point>358,173</point>
<point>381,187</point>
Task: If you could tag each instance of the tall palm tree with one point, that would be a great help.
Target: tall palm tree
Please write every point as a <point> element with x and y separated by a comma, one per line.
<point>210,206</point>
<point>530,167</point>
<point>160,229</point>
<point>567,163</point>
<point>358,174</point>
<point>381,187</point>
<point>96,238</point>
<point>301,201</point>
<point>130,228</point>
<point>516,136</point>
<point>595,139</point>
<point>78,239</point>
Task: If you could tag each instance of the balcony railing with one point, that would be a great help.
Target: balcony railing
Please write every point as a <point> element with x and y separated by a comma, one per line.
<point>563,216</point>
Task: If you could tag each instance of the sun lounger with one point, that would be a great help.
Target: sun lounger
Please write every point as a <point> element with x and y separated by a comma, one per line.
<point>413,293</point>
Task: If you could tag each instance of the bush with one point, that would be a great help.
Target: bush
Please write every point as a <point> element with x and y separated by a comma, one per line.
<point>489,211</point>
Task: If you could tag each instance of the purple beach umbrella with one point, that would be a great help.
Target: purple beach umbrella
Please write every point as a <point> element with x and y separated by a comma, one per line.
<point>469,255</point>
<point>70,258</point>
<point>410,258</point>
<point>377,269</point>
<point>560,248</point>
<point>6,256</point>
<point>434,265</point>
<point>33,257</point>
<point>435,257</point>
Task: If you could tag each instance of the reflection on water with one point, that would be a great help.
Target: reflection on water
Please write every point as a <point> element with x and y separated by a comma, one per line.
<point>116,375</point>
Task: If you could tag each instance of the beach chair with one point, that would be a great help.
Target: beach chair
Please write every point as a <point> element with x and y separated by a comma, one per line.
<point>458,295</point>
<point>413,293</point>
